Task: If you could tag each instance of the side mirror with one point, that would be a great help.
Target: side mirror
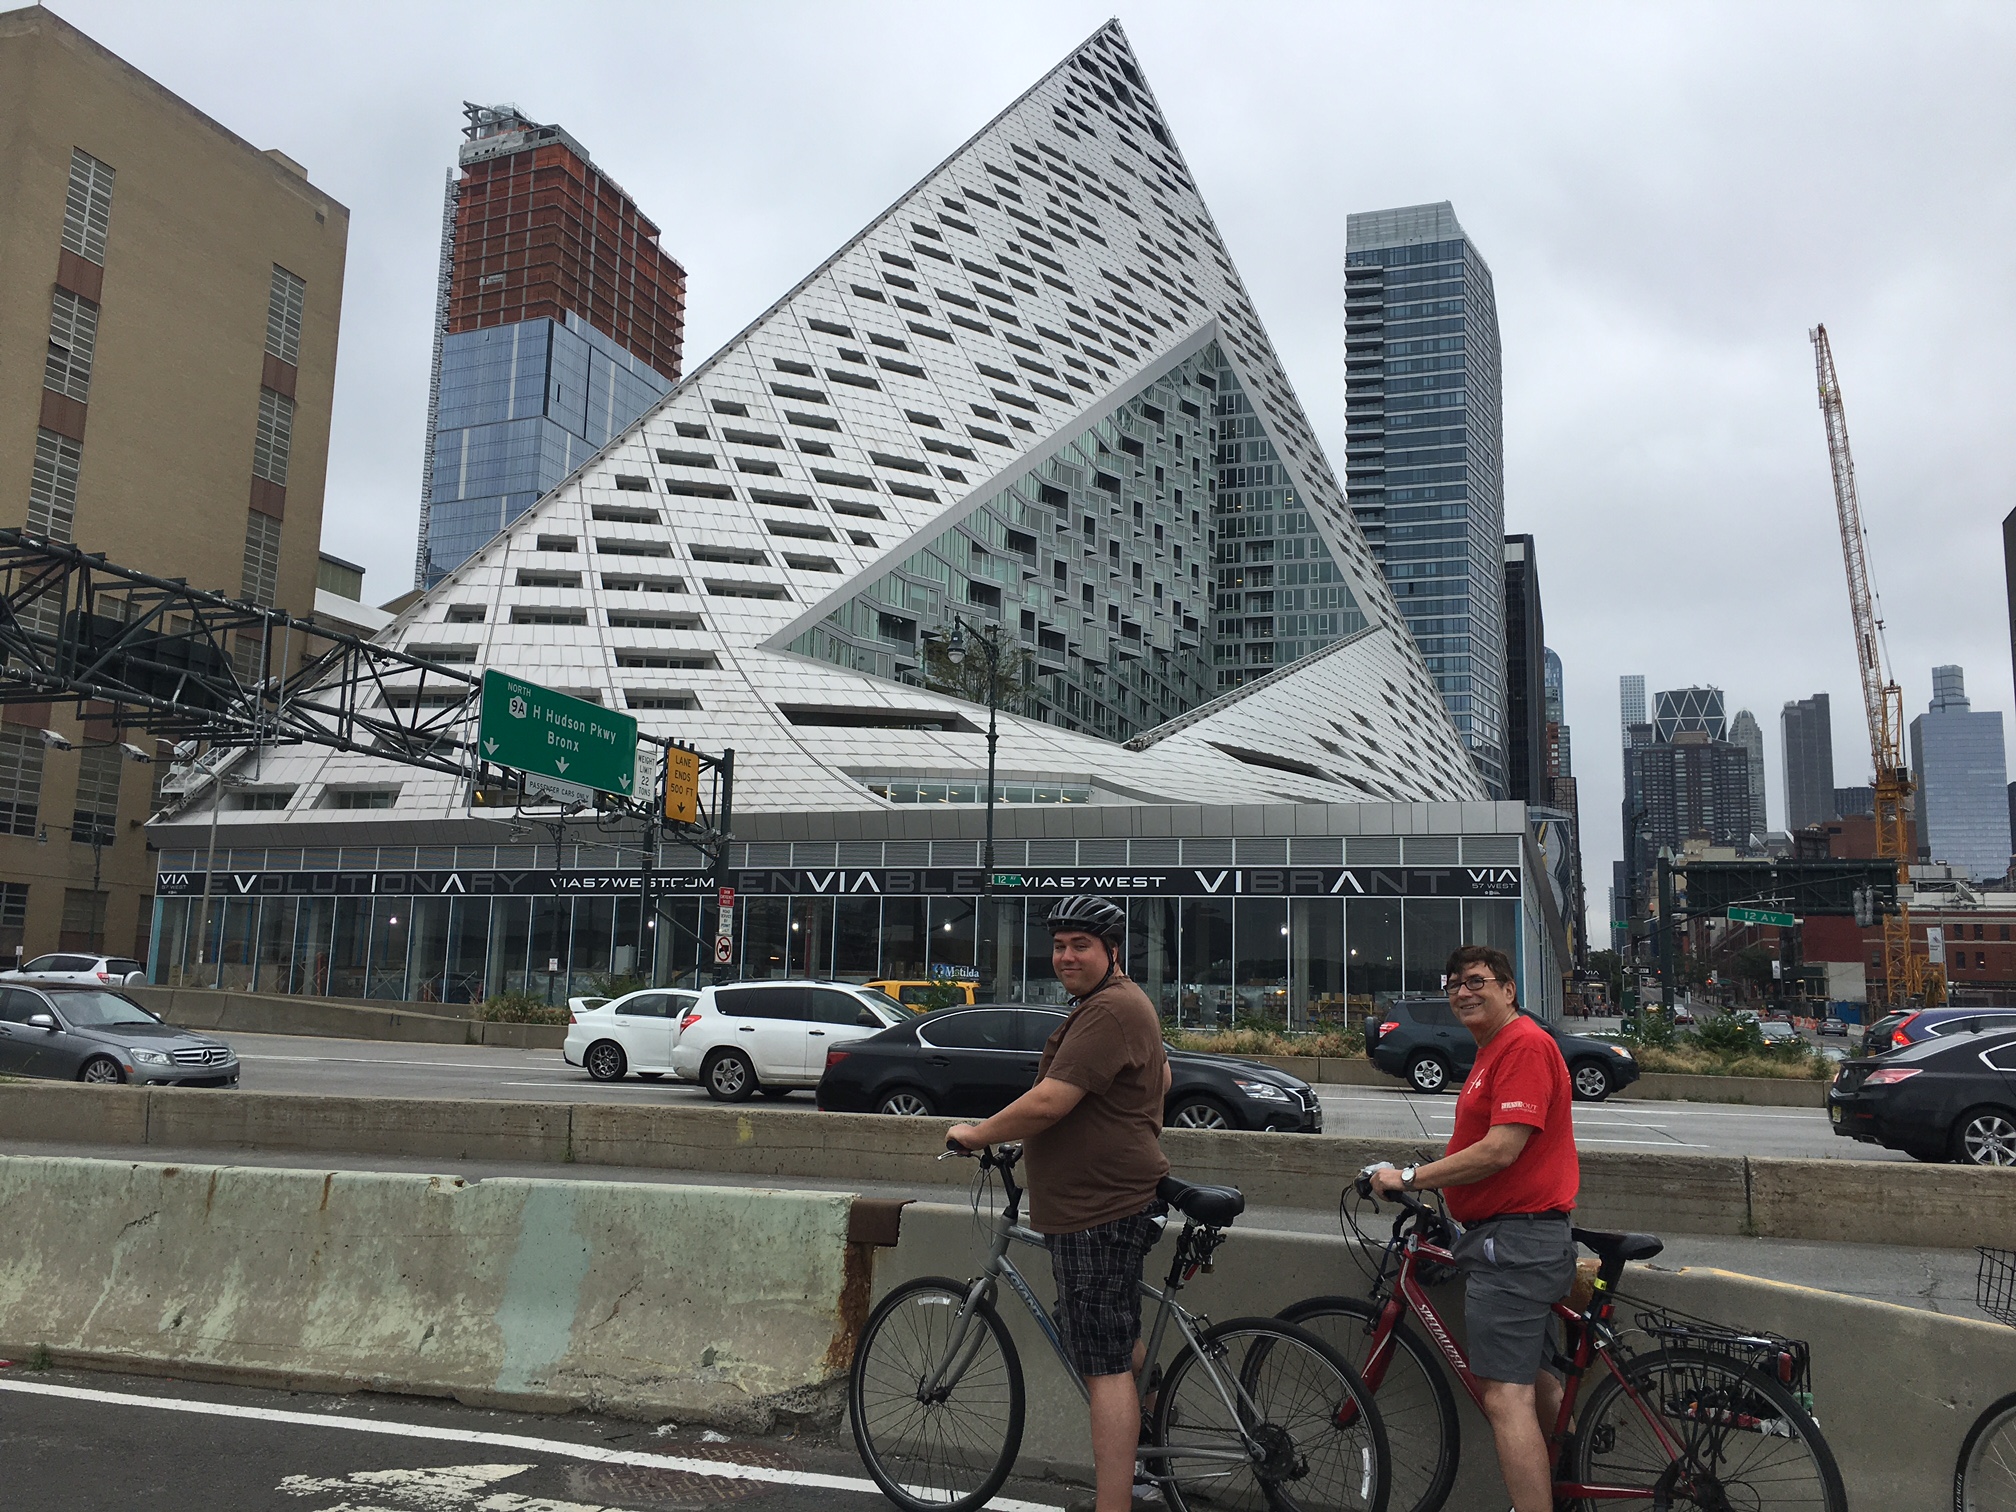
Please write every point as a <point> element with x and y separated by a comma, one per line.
<point>867,1020</point>
<point>42,1021</point>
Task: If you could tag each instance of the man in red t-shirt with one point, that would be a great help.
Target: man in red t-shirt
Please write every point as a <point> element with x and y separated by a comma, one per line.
<point>1511,1176</point>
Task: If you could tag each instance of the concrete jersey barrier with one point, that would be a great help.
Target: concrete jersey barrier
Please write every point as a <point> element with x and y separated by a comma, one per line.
<point>704,1303</point>
<point>228,1012</point>
<point>1867,1202</point>
<point>1895,1389</point>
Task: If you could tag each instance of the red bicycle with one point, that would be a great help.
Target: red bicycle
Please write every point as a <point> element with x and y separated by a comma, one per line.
<point>1685,1414</point>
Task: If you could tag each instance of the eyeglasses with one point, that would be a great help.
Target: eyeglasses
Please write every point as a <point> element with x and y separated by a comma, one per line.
<point>1472,983</point>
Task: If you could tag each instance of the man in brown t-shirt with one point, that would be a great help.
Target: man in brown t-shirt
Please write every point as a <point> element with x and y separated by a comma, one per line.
<point>1091,1129</point>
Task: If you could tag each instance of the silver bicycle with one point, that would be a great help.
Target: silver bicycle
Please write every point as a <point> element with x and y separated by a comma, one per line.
<point>1252,1415</point>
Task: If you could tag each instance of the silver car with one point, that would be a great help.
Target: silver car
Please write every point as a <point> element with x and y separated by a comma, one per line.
<point>71,966</point>
<point>93,1034</point>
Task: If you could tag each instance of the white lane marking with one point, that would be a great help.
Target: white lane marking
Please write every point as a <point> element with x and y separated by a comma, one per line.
<point>1664,1144</point>
<point>560,1448</point>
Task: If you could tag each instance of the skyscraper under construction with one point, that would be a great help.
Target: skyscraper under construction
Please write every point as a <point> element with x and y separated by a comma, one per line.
<point>559,320</point>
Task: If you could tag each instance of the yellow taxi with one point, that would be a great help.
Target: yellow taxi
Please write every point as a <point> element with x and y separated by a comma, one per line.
<point>921,996</point>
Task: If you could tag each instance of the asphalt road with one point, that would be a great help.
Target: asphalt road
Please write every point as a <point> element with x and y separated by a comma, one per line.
<point>372,1068</point>
<point>91,1442</point>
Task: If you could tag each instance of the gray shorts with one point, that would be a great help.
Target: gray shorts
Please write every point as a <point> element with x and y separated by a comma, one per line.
<point>1514,1270</point>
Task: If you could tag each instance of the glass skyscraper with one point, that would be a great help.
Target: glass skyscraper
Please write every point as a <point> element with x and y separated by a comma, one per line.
<point>559,321</point>
<point>1963,781</point>
<point>1425,467</point>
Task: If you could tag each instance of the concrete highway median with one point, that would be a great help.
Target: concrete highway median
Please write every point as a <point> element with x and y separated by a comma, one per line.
<point>1897,1204</point>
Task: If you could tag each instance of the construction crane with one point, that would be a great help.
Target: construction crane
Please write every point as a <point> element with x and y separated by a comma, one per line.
<point>1907,971</point>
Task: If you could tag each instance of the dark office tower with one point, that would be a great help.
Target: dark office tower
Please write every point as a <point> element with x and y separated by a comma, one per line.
<point>2009,575</point>
<point>559,320</point>
<point>1744,731</point>
<point>1425,460</point>
<point>1525,676</point>
<point>1808,733</point>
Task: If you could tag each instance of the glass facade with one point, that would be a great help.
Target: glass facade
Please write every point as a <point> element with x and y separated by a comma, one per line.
<point>1146,566</point>
<point>521,406</point>
<point>1215,961</point>
<point>1425,470</point>
<point>1962,802</point>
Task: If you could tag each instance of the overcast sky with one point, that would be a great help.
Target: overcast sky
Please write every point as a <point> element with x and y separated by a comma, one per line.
<point>1668,196</point>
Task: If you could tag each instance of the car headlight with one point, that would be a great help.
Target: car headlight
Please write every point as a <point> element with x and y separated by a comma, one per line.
<point>1620,1050</point>
<point>149,1057</point>
<point>1266,1091</point>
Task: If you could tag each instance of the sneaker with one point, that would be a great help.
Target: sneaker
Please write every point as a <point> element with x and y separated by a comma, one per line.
<point>1147,1498</point>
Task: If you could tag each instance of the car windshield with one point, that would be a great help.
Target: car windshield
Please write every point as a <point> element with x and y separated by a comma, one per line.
<point>101,1010</point>
<point>890,1008</point>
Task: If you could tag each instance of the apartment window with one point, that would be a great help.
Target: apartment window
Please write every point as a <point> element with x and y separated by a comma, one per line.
<point>20,780</point>
<point>52,488</point>
<point>87,212</point>
<point>283,316</point>
<point>13,915</point>
<point>96,813</point>
<point>276,436</point>
<point>361,798</point>
<point>83,920</point>
<point>73,331</point>
<point>262,558</point>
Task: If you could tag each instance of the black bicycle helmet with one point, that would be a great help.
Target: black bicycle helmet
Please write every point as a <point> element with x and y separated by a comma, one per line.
<point>1089,915</point>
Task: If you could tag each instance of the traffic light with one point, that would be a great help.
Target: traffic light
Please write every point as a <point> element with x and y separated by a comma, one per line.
<point>1865,907</point>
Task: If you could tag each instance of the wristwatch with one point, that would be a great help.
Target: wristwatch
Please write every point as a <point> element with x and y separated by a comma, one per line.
<point>1407,1178</point>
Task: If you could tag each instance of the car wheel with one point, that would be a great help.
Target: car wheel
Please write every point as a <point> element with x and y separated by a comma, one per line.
<point>101,1069</point>
<point>605,1061</point>
<point>775,1094</point>
<point>728,1076</point>
<point>1985,1137</point>
<point>1200,1113</point>
<point>905,1102</point>
<point>649,1075</point>
<point>1592,1081</point>
<point>1428,1073</point>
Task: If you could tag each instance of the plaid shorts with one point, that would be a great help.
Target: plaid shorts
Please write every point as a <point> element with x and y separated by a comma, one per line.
<point>1098,1274</point>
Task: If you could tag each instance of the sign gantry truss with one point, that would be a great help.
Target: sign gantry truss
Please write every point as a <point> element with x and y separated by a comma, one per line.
<point>187,663</point>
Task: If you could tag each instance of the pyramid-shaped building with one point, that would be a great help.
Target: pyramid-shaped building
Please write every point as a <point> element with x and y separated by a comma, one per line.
<point>1033,395</point>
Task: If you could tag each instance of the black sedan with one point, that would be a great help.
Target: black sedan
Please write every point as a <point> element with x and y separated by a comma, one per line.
<point>1949,1098</point>
<point>971,1062</point>
<point>1422,1041</point>
<point>93,1034</point>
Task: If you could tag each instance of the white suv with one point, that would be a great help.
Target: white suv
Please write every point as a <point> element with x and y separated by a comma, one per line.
<point>86,970</point>
<point>772,1037</point>
<point>617,1036</point>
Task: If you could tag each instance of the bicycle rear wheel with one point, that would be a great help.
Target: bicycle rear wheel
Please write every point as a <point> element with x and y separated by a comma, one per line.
<point>942,1450</point>
<point>1415,1401</point>
<point>1985,1478</point>
<point>1744,1441</point>
<point>1292,1426</point>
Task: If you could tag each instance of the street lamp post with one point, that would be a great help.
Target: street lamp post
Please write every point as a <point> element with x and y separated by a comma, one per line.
<point>989,642</point>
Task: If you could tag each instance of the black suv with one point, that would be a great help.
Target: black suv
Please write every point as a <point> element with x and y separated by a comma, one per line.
<point>1422,1040</point>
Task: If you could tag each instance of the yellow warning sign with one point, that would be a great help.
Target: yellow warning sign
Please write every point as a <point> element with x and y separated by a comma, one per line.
<point>682,785</point>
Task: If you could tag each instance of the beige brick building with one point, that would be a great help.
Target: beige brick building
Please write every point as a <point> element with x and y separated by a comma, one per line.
<point>169,297</point>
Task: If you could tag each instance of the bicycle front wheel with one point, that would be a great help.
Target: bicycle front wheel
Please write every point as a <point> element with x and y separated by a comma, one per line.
<point>1985,1478</point>
<point>1267,1418</point>
<point>1740,1439</point>
<point>936,1398</point>
<point>1415,1402</point>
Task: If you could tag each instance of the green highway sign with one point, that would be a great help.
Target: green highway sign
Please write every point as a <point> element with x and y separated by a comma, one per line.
<point>568,741</point>
<point>1761,916</point>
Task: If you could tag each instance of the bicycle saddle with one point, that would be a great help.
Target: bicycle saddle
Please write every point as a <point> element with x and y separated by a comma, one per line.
<point>1214,1205</point>
<point>1614,1249</point>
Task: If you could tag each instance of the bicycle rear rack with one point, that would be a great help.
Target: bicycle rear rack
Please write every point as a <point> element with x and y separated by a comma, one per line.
<point>1789,1362</point>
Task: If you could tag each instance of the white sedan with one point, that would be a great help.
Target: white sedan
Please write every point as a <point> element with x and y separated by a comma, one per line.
<point>85,970</point>
<point>632,1034</point>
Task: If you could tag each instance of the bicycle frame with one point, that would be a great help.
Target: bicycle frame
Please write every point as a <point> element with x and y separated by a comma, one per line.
<point>1008,1229</point>
<point>1589,1333</point>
